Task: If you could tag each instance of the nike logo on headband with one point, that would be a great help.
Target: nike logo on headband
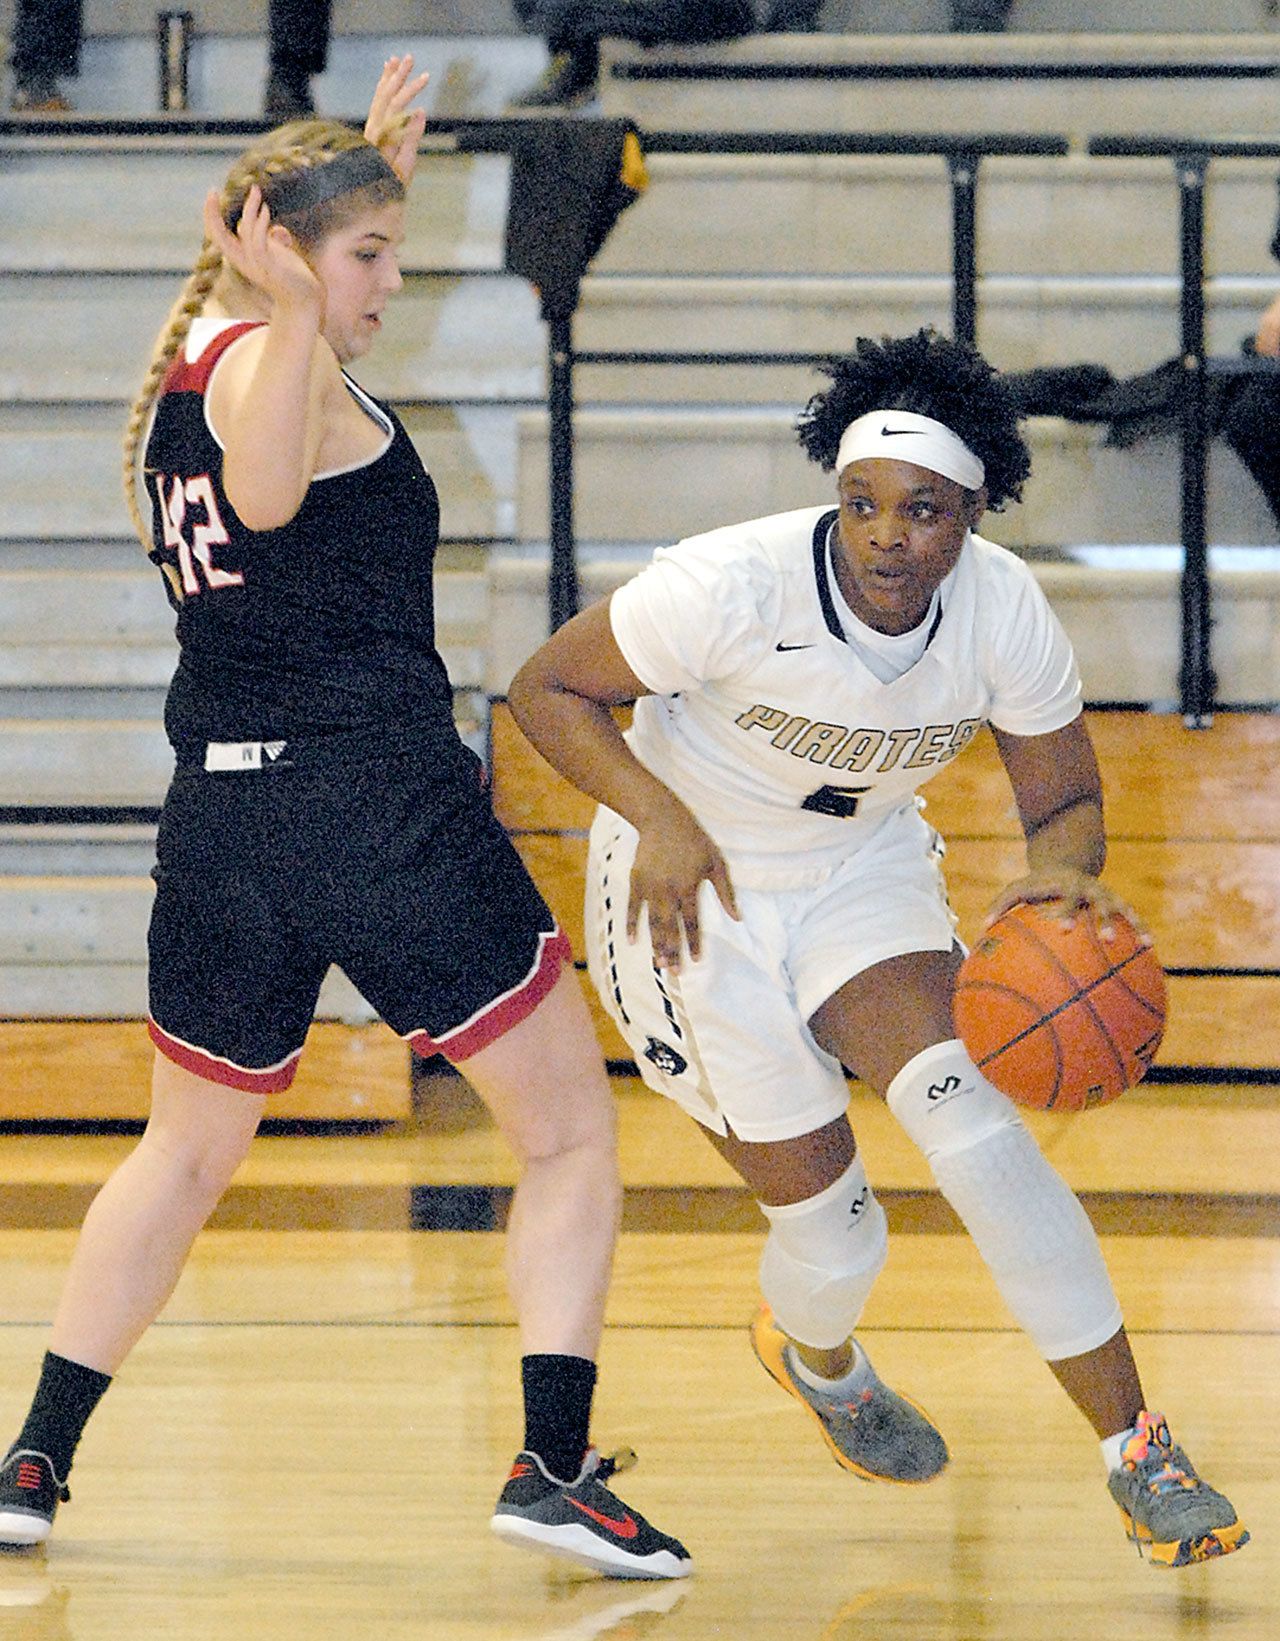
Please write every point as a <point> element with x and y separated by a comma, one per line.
<point>896,432</point>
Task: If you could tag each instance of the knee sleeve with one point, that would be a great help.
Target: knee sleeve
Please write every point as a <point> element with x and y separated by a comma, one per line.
<point>821,1258</point>
<point>1027,1224</point>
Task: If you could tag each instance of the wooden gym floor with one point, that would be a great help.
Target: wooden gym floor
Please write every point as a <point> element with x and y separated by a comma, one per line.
<point>309,1442</point>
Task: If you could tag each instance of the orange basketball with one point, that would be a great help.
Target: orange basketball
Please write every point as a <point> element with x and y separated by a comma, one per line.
<point>1057,1017</point>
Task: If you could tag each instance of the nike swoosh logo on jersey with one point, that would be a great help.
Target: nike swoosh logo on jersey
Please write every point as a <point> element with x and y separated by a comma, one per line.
<point>793,646</point>
<point>626,1528</point>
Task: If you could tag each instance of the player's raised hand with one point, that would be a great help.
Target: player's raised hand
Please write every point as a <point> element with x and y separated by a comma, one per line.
<point>393,127</point>
<point>264,253</point>
<point>1267,338</point>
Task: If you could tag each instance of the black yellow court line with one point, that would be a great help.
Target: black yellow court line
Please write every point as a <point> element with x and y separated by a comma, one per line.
<point>704,1209</point>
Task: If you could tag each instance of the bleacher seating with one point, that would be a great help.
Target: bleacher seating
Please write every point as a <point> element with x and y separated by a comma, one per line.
<point>1078,259</point>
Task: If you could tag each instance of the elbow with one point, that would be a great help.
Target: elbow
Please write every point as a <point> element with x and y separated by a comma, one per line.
<point>261,515</point>
<point>537,699</point>
<point>523,692</point>
<point>261,506</point>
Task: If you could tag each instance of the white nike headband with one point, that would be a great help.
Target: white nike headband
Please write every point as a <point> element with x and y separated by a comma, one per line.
<point>903,436</point>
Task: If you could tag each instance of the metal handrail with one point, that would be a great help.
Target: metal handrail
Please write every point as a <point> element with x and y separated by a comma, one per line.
<point>1241,68</point>
<point>963,154</point>
<point>1191,157</point>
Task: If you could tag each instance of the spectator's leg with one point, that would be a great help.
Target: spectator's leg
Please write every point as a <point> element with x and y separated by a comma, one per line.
<point>298,33</point>
<point>574,28</point>
<point>1249,420</point>
<point>792,17</point>
<point>979,16</point>
<point>573,49</point>
<point>46,46</point>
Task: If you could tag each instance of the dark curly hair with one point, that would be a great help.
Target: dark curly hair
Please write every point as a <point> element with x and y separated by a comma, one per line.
<point>932,376</point>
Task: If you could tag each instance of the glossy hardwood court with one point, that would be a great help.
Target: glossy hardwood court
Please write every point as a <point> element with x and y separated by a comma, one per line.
<point>309,1443</point>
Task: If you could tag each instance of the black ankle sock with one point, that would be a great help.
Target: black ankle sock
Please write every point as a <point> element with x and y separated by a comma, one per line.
<point>557,1410</point>
<point>65,1397</point>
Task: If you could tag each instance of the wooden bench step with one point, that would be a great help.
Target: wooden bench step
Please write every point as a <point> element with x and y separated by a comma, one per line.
<point>86,1070</point>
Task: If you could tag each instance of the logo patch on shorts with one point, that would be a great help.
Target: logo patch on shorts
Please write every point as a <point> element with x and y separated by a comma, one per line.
<point>667,1060</point>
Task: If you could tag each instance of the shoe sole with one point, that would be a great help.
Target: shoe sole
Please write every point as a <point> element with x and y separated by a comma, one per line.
<point>769,1355</point>
<point>1186,1552</point>
<point>580,1545</point>
<point>17,1527</point>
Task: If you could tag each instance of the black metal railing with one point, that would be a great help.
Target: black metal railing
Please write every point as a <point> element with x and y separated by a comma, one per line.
<point>1206,68</point>
<point>963,154</point>
<point>1191,157</point>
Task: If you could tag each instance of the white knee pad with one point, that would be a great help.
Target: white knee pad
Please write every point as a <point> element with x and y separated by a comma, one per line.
<point>1033,1234</point>
<point>821,1258</point>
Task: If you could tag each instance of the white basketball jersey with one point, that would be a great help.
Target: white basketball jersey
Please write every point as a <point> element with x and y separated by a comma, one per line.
<point>765,721</point>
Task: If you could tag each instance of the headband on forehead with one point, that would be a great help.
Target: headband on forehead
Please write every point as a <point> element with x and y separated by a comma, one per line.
<point>903,436</point>
<point>300,190</point>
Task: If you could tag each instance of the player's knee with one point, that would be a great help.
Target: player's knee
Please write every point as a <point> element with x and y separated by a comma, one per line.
<point>581,1150</point>
<point>198,1167</point>
<point>945,1104</point>
<point>1026,1222</point>
<point>821,1259</point>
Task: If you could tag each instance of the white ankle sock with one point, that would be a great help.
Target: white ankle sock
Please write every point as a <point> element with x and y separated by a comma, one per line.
<point>854,1380</point>
<point>1112,1447</point>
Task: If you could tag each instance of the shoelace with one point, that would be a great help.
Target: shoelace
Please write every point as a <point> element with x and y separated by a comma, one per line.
<point>623,1459</point>
<point>1175,1487</point>
<point>1168,1477</point>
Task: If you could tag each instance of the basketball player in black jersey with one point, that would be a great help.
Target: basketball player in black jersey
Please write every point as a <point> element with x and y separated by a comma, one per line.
<point>323,810</point>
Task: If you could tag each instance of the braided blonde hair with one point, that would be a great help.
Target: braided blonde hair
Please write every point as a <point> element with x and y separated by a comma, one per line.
<point>290,148</point>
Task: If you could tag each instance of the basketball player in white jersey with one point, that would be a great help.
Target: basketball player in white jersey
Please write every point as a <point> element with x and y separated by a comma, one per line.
<point>765,904</point>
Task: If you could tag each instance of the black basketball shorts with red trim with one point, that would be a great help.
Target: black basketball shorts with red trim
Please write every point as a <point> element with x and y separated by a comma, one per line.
<point>399,875</point>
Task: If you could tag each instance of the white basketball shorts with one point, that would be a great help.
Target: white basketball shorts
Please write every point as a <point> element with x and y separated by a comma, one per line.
<point>727,1038</point>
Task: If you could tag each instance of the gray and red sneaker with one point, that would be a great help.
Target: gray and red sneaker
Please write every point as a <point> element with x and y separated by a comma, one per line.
<point>30,1494</point>
<point>583,1521</point>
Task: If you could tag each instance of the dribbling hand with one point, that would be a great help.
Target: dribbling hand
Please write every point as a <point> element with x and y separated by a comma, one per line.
<point>1077,892</point>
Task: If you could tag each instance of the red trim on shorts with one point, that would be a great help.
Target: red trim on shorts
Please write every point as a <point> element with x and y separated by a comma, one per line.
<point>182,377</point>
<point>272,1080</point>
<point>505,1012</point>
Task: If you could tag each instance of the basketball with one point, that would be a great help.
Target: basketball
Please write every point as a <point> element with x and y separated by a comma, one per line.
<point>1057,1017</point>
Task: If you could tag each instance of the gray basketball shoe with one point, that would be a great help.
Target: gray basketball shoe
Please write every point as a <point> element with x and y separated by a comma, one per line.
<point>1168,1511</point>
<point>879,1435</point>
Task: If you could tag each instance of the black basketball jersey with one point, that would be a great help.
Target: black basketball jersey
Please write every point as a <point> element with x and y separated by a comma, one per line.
<point>324,626</point>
